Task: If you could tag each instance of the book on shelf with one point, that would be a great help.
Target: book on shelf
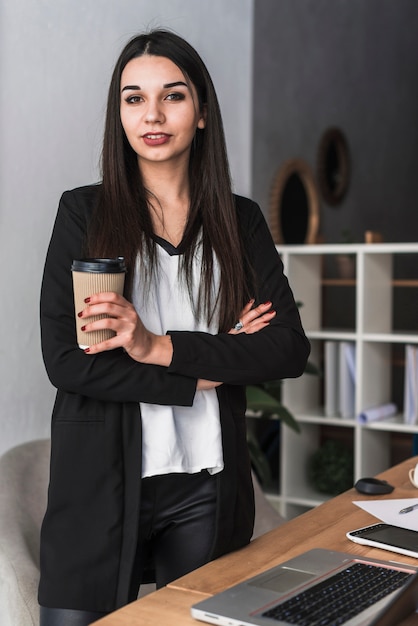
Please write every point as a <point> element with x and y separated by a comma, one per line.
<point>347,372</point>
<point>331,380</point>
<point>340,378</point>
<point>411,385</point>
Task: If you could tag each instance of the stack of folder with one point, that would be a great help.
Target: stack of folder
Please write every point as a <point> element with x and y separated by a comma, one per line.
<point>340,378</point>
<point>411,385</point>
<point>340,384</point>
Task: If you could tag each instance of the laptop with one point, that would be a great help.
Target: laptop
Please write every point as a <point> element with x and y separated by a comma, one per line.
<point>318,587</point>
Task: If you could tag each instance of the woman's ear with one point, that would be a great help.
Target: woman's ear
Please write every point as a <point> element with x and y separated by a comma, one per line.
<point>202,120</point>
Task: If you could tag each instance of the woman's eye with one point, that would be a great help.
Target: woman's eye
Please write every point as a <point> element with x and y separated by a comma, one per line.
<point>133,99</point>
<point>175,96</point>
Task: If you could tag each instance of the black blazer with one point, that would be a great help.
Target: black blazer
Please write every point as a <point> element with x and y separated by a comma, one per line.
<point>89,531</point>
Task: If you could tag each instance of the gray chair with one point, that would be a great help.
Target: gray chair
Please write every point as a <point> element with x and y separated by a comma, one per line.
<point>24,472</point>
<point>266,516</point>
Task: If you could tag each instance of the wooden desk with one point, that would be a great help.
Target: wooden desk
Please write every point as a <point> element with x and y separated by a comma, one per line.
<point>322,527</point>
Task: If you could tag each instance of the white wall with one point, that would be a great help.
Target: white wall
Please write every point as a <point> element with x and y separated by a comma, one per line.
<point>56,58</point>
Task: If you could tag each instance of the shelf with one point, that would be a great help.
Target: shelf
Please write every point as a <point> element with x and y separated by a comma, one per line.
<point>347,335</point>
<point>338,282</point>
<point>348,248</point>
<point>397,425</point>
<point>341,335</point>
<point>376,311</point>
<point>395,337</point>
<point>351,282</point>
<point>307,502</point>
<point>321,418</point>
<point>405,283</point>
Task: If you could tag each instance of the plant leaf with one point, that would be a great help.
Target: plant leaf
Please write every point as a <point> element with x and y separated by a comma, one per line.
<point>260,401</point>
<point>311,368</point>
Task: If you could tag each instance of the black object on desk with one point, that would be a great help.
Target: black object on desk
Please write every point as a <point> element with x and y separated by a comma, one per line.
<point>373,486</point>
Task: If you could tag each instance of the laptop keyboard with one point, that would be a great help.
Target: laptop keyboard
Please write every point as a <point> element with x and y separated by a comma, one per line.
<point>340,597</point>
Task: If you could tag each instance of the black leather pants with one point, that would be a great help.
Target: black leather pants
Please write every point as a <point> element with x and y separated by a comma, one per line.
<point>176,533</point>
<point>67,617</point>
<point>177,525</point>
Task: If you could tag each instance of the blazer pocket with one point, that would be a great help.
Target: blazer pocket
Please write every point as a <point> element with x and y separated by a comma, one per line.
<point>71,407</point>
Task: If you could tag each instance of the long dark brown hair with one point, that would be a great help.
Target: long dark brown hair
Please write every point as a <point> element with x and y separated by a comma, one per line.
<point>121,224</point>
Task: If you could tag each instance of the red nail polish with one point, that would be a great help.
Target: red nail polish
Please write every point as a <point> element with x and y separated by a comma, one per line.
<point>83,328</point>
<point>87,350</point>
<point>268,303</point>
<point>86,300</point>
<point>80,314</point>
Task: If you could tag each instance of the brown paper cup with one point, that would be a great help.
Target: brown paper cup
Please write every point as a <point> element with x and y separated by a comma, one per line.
<point>92,276</point>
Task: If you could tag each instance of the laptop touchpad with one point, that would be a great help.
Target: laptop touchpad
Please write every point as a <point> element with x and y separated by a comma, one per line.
<point>283,580</point>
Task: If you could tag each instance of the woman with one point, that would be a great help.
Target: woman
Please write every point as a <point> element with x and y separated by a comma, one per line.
<point>150,473</point>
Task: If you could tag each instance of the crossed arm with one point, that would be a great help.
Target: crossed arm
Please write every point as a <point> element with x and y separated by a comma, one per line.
<point>147,347</point>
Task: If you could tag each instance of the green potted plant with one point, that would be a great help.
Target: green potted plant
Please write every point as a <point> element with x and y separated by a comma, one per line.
<point>265,401</point>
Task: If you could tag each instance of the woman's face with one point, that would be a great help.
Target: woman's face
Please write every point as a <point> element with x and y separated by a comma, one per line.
<point>159,110</point>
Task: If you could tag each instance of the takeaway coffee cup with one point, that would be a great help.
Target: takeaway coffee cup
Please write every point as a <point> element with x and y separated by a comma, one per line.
<point>92,276</point>
<point>413,475</point>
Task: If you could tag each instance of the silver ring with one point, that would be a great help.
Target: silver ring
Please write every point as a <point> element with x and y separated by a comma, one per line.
<point>238,325</point>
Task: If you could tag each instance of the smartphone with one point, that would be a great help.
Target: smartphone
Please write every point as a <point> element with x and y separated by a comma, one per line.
<point>387,537</point>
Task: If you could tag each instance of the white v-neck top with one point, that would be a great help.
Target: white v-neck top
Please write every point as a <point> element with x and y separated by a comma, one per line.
<point>177,438</point>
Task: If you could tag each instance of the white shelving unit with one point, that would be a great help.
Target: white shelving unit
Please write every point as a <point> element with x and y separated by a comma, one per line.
<point>373,294</point>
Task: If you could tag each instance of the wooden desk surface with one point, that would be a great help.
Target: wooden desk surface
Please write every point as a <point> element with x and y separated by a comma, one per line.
<point>322,527</point>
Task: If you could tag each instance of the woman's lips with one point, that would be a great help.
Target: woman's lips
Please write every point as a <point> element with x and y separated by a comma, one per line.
<point>155,139</point>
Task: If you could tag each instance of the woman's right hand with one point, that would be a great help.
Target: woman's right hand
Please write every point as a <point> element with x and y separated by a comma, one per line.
<point>250,321</point>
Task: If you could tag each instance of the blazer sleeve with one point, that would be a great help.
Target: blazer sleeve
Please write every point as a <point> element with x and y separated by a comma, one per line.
<point>112,375</point>
<point>278,351</point>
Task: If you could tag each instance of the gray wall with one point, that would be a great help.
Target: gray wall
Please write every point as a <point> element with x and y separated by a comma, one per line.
<point>56,58</point>
<point>353,64</point>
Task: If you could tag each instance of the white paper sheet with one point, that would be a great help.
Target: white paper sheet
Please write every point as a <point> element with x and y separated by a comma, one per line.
<point>387,511</point>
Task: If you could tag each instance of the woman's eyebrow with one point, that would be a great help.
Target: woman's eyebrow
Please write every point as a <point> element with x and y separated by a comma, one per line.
<point>131,87</point>
<point>176,84</point>
<point>166,86</point>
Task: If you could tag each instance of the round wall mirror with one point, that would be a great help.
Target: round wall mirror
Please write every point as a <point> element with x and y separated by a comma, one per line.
<point>333,166</point>
<point>294,204</point>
